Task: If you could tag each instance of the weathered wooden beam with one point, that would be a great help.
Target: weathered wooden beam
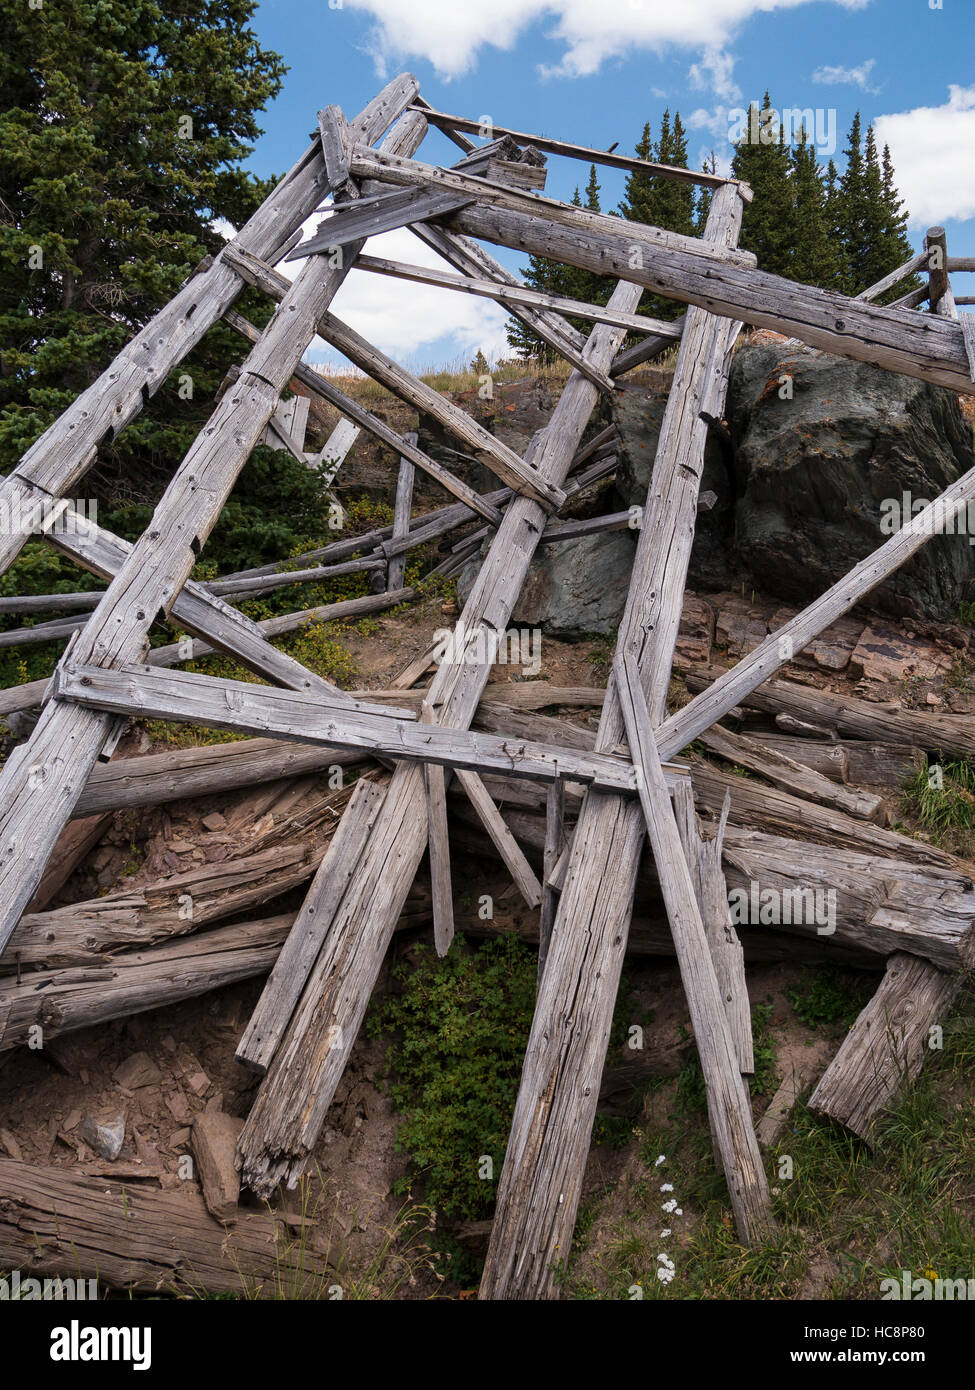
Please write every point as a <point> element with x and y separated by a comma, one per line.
<point>438,846</point>
<point>635,356</point>
<point>711,890</point>
<point>792,776</point>
<point>510,294</point>
<point>42,781</point>
<point>293,1100</point>
<point>541,1182</point>
<point>780,646</point>
<point>58,1224</point>
<point>133,982</point>
<point>334,450</point>
<point>67,448</point>
<point>452,124</point>
<point>903,272</point>
<point>951,733</point>
<point>355,222</point>
<point>273,1011</point>
<point>402,507</point>
<point>729,1108</point>
<point>918,345</point>
<point>936,250</point>
<point>886,1046</point>
<point>500,198</point>
<point>503,840</point>
<point>554,846</point>
<point>186,696</point>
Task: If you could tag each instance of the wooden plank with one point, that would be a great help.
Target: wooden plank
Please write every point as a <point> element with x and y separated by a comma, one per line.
<point>186,696</point>
<point>512,294</point>
<point>503,840</point>
<point>356,222</point>
<point>780,646</point>
<point>911,300</point>
<point>439,851</point>
<point>57,1224</point>
<point>499,198</point>
<point>273,1011</point>
<point>711,891</point>
<point>335,449</point>
<point>884,720</point>
<point>62,454</point>
<point>939,287</point>
<point>792,776</point>
<point>452,124</point>
<point>554,845</point>
<point>729,1109</point>
<point>291,1105</point>
<point>64,1000</point>
<point>402,507</point>
<point>67,741</point>
<point>918,345</point>
<point>333,131</point>
<point>367,420</point>
<point>903,272</point>
<point>886,1046</point>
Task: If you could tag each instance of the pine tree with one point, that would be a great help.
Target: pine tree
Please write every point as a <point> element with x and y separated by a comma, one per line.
<point>763,161</point>
<point>122,130</point>
<point>814,260</point>
<point>662,202</point>
<point>852,212</point>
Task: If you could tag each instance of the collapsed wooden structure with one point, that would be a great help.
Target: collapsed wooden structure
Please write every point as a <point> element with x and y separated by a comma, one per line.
<point>588,804</point>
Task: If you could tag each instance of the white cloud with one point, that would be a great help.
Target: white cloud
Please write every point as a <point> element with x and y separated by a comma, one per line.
<point>450,33</point>
<point>713,73</point>
<point>933,149</point>
<point>858,77</point>
<point>403,318</point>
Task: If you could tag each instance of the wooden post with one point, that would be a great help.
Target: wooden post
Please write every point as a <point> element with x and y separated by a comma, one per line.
<point>554,843</point>
<point>401,516</point>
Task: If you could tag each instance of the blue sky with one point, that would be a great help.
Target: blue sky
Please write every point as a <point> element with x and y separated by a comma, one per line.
<point>594,71</point>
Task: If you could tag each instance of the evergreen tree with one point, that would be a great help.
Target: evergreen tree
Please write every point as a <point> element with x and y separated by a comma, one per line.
<point>814,260</point>
<point>123,124</point>
<point>762,160</point>
<point>662,202</point>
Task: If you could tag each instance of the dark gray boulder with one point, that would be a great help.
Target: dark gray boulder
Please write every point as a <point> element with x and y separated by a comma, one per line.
<point>822,460</point>
<point>574,588</point>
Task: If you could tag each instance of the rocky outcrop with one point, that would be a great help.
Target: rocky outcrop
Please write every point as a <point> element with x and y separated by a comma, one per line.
<point>825,451</point>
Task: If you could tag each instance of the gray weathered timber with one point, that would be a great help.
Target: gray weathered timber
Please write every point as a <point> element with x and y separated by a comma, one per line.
<point>510,294</point>
<point>127,1236</point>
<point>333,131</point>
<point>453,124</point>
<point>55,462</point>
<point>903,272</point>
<point>334,450</point>
<point>264,584</point>
<point>358,221</point>
<point>729,1108</point>
<point>853,761</point>
<point>554,847</point>
<point>293,1100</point>
<point>402,507</point>
<point>541,1182</point>
<point>438,848</point>
<point>635,356</point>
<point>704,862</point>
<point>43,603</point>
<point>792,776</point>
<point>919,345</point>
<point>950,733</point>
<point>549,213</point>
<point>503,840</point>
<point>179,773</point>
<point>885,1048</point>
<point>939,286</point>
<point>186,696</point>
<point>365,419</point>
<point>283,990</point>
<point>64,1000</point>
<point>43,779</point>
